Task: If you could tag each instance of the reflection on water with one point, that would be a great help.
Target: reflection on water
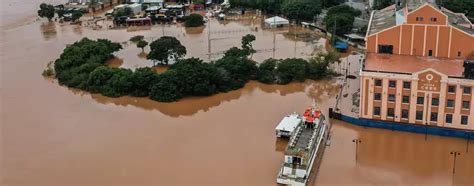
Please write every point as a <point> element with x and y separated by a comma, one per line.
<point>189,106</point>
<point>48,29</point>
<point>280,144</point>
<point>77,29</point>
<point>194,30</point>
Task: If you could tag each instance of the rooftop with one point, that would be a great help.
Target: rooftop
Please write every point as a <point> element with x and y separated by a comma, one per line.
<point>412,64</point>
<point>459,21</point>
<point>387,17</point>
<point>383,19</point>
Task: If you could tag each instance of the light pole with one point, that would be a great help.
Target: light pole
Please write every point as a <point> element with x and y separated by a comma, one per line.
<point>357,141</point>
<point>455,155</point>
<point>209,40</point>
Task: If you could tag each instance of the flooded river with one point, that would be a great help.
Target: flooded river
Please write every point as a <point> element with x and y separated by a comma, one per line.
<point>55,136</point>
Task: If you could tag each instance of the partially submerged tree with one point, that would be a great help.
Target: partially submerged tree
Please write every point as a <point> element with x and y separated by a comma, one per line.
<point>291,69</point>
<point>266,71</point>
<point>47,11</point>
<point>76,15</point>
<point>137,38</point>
<point>194,20</point>
<point>165,49</point>
<point>142,44</point>
<point>247,45</point>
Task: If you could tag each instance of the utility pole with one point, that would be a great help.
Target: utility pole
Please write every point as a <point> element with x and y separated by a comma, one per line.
<point>356,141</point>
<point>209,40</point>
<point>274,37</point>
<point>163,29</point>
<point>295,28</point>
<point>455,154</point>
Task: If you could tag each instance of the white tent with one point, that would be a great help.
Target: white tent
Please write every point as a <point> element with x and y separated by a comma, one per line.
<point>276,21</point>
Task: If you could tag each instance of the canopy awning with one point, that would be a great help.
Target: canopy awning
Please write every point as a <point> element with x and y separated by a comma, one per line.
<point>275,21</point>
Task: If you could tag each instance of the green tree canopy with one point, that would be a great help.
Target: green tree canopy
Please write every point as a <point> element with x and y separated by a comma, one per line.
<point>127,11</point>
<point>266,71</point>
<point>137,38</point>
<point>79,59</point>
<point>292,69</point>
<point>459,6</point>
<point>83,65</point>
<point>194,20</point>
<point>142,44</point>
<point>196,77</point>
<point>342,18</point>
<point>318,66</point>
<point>331,3</point>
<point>247,45</point>
<point>46,10</point>
<point>301,9</point>
<point>76,15</point>
<point>166,89</point>
<point>143,79</point>
<point>381,4</point>
<point>268,6</point>
<point>166,48</point>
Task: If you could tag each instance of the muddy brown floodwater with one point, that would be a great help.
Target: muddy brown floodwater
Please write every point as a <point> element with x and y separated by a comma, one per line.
<point>55,136</point>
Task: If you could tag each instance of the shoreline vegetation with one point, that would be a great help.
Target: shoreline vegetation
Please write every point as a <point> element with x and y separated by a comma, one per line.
<point>83,65</point>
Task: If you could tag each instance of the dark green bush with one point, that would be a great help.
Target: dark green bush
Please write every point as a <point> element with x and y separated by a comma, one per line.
<point>266,71</point>
<point>193,20</point>
<point>82,65</point>
<point>292,69</point>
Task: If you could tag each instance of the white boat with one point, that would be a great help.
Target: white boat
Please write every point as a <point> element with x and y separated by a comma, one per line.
<point>305,148</point>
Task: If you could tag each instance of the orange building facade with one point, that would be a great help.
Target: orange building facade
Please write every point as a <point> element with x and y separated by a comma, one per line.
<point>415,71</point>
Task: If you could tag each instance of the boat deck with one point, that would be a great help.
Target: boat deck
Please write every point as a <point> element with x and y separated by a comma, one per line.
<point>304,137</point>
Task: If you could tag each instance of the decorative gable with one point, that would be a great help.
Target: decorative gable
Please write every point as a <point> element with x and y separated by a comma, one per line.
<point>429,80</point>
<point>427,14</point>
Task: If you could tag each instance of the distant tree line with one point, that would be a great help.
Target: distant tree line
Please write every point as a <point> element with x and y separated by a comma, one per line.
<point>459,6</point>
<point>83,65</point>
<point>48,11</point>
<point>341,18</point>
<point>381,4</point>
<point>294,9</point>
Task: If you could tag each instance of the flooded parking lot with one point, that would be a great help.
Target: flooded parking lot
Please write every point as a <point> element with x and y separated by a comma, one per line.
<point>52,135</point>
